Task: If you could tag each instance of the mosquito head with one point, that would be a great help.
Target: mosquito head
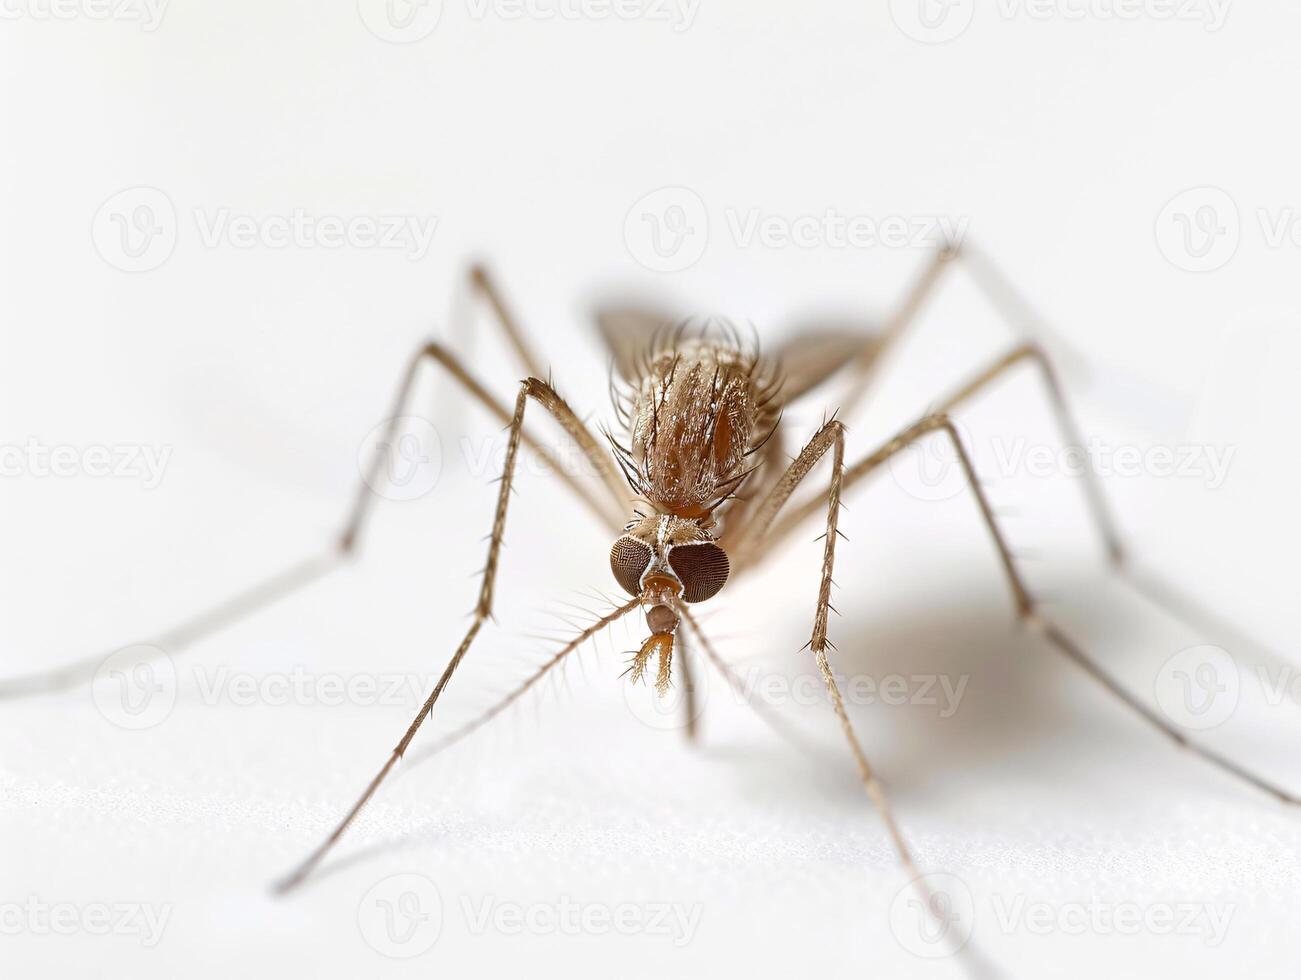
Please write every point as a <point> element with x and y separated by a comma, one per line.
<point>665,560</point>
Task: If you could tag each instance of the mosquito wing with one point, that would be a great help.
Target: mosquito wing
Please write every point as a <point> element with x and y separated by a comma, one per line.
<point>815,351</point>
<point>627,331</point>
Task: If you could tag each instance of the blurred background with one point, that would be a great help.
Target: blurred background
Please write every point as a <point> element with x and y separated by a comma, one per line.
<point>224,230</point>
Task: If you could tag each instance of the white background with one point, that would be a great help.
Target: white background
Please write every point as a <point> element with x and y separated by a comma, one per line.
<point>1059,139</point>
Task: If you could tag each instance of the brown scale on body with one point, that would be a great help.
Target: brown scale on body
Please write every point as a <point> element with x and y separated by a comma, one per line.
<point>697,410</point>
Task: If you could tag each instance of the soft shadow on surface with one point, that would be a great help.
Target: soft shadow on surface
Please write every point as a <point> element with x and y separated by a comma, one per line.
<point>972,685</point>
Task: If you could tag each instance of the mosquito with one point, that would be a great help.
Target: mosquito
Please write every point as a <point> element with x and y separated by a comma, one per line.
<point>696,489</point>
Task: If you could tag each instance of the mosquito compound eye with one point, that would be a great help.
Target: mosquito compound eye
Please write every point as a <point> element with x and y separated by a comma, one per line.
<point>702,568</point>
<point>629,559</point>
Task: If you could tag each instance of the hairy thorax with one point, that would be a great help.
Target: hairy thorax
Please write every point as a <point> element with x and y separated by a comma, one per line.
<point>696,413</point>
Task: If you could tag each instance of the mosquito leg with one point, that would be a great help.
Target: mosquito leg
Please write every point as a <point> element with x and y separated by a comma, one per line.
<point>989,279</point>
<point>866,366</point>
<point>472,726</point>
<point>541,392</point>
<point>281,585</point>
<point>1156,591</point>
<point>1028,353</point>
<point>764,711</point>
<point>469,728</point>
<point>484,283</point>
<point>692,729</point>
<point>1003,295</point>
<point>611,513</point>
<point>1026,606</point>
<point>1033,354</point>
<point>175,640</point>
<point>830,437</point>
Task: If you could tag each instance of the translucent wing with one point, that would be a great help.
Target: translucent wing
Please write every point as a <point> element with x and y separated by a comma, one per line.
<point>814,352</point>
<point>627,330</point>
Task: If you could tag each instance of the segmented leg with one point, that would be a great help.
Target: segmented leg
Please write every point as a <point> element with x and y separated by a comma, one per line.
<point>1026,607</point>
<point>529,682</point>
<point>989,279</point>
<point>611,512</point>
<point>1028,353</point>
<point>483,281</point>
<point>830,437</point>
<point>542,393</point>
<point>177,639</point>
<point>270,591</point>
<point>692,727</point>
<point>868,364</point>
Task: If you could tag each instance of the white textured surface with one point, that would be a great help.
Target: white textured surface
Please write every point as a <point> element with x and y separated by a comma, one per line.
<point>263,370</point>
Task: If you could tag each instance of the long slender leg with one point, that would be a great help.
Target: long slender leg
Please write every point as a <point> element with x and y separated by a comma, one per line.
<point>1070,432</point>
<point>282,584</point>
<point>867,365</point>
<point>1026,607</point>
<point>541,392</point>
<point>268,592</point>
<point>692,729</point>
<point>181,636</point>
<point>1156,591</point>
<point>771,718</point>
<point>483,281</point>
<point>1023,353</point>
<point>511,697</point>
<point>865,357</point>
<point>830,437</point>
<point>1016,310</point>
<point>472,726</point>
<point>612,513</point>
<point>484,284</point>
<point>989,279</point>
